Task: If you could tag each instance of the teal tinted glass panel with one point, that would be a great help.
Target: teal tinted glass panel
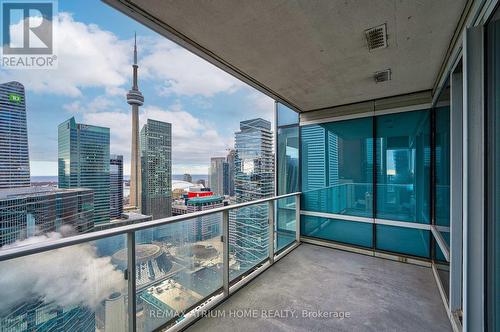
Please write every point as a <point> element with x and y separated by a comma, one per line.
<point>337,167</point>
<point>442,163</point>
<point>403,166</point>
<point>285,224</point>
<point>349,232</point>
<point>286,116</point>
<point>403,240</point>
<point>288,160</point>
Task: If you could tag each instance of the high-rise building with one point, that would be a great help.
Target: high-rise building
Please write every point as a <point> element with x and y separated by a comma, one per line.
<point>30,211</point>
<point>187,177</point>
<point>115,186</point>
<point>230,180</point>
<point>254,179</point>
<point>216,175</point>
<point>14,157</point>
<point>205,227</point>
<point>84,162</point>
<point>115,313</point>
<point>135,99</point>
<point>156,160</point>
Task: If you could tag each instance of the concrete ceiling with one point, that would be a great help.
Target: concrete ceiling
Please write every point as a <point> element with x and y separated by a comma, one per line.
<point>313,54</point>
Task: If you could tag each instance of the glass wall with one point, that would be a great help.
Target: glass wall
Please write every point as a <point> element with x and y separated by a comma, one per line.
<point>337,174</point>
<point>403,166</point>
<point>442,163</point>
<point>493,174</point>
<point>339,164</point>
<point>287,174</point>
<point>403,180</point>
<point>337,177</point>
<point>442,178</point>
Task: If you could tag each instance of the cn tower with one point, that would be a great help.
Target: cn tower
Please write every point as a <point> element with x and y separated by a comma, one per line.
<point>135,99</point>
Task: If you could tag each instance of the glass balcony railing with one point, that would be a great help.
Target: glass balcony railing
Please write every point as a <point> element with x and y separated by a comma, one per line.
<point>142,277</point>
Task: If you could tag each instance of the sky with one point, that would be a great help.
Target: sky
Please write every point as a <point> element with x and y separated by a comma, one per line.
<point>94,46</point>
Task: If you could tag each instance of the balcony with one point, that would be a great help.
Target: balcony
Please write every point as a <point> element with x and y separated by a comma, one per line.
<point>355,292</point>
<point>185,266</point>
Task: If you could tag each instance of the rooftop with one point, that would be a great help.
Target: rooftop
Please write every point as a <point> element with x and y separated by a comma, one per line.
<point>35,191</point>
<point>204,200</point>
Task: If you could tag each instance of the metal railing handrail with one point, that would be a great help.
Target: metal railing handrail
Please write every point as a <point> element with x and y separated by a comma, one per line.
<point>36,248</point>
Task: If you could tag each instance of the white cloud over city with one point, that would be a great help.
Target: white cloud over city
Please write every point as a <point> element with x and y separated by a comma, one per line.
<point>94,74</point>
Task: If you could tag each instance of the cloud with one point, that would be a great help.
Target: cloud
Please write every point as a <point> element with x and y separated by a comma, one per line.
<point>183,73</point>
<point>194,141</point>
<point>69,276</point>
<point>97,104</point>
<point>87,57</point>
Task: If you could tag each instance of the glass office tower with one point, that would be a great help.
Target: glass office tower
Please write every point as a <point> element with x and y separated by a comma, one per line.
<point>30,211</point>
<point>84,162</point>
<point>216,176</point>
<point>115,186</point>
<point>14,158</point>
<point>156,168</point>
<point>254,179</point>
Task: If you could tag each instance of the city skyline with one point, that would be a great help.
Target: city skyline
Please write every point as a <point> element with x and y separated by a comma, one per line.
<point>185,91</point>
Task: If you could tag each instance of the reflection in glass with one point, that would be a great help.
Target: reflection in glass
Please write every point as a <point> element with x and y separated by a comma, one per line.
<point>177,266</point>
<point>442,163</point>
<point>403,240</point>
<point>356,233</point>
<point>248,238</point>
<point>286,116</point>
<point>337,167</point>
<point>288,160</point>
<point>285,223</point>
<point>76,288</point>
<point>403,166</point>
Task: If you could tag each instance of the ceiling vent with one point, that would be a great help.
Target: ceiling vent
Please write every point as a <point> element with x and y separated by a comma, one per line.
<point>376,37</point>
<point>382,76</point>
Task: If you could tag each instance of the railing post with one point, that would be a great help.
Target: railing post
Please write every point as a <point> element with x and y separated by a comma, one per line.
<point>297,218</point>
<point>131,281</point>
<point>271,231</point>
<point>225,252</point>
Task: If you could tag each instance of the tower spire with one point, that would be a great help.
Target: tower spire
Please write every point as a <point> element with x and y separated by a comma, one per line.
<point>135,99</point>
<point>135,48</point>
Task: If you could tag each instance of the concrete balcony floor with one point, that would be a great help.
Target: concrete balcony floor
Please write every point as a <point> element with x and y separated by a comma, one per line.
<point>379,294</point>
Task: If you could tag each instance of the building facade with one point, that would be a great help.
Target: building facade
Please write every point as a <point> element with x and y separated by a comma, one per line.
<point>216,175</point>
<point>230,173</point>
<point>254,179</point>
<point>115,186</point>
<point>156,160</point>
<point>30,211</point>
<point>205,227</point>
<point>187,177</point>
<point>14,156</point>
<point>84,160</point>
